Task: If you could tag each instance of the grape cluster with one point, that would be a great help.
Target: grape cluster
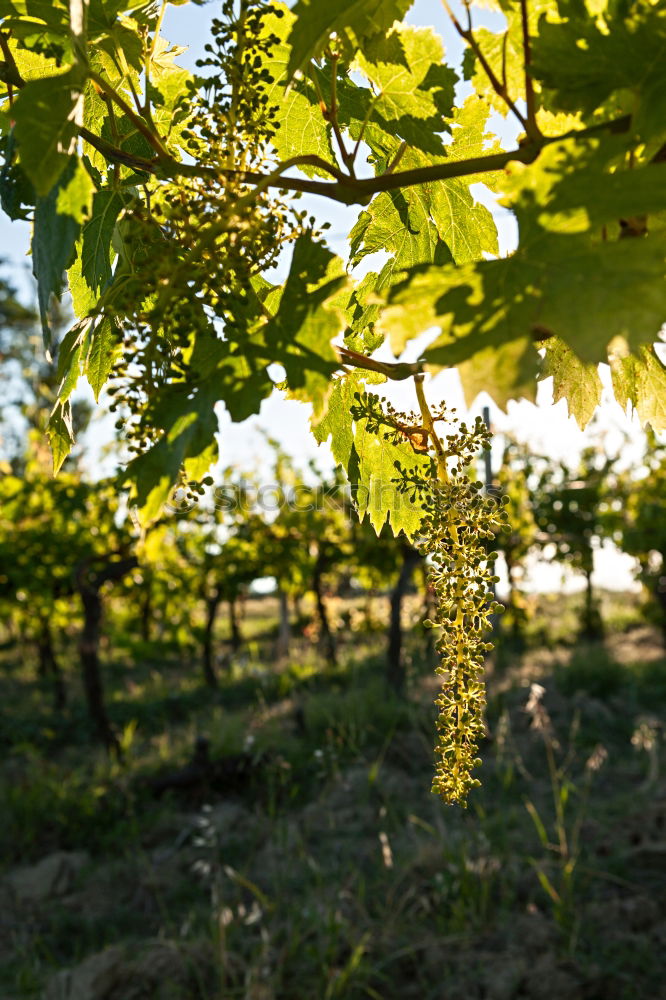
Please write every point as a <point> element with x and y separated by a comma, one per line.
<point>460,520</point>
<point>187,290</point>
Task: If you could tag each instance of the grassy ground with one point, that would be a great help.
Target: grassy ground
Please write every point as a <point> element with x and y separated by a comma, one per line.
<point>319,865</point>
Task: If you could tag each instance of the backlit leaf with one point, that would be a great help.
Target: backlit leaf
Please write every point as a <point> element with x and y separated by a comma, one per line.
<point>44,128</point>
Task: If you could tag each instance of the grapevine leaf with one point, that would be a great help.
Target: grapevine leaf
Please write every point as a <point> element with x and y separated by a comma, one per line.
<point>60,433</point>
<point>584,291</point>
<point>104,350</point>
<point>302,127</point>
<point>239,362</point>
<point>412,89</point>
<point>577,187</point>
<point>44,128</point>
<point>71,358</point>
<point>84,299</point>
<point>121,38</point>
<point>189,425</point>
<point>307,318</point>
<point>102,15</point>
<point>641,381</point>
<point>52,13</point>
<point>583,62</point>
<point>337,422</point>
<point>470,136</point>
<point>573,380</point>
<point>96,239</point>
<point>76,196</point>
<point>168,91</point>
<point>196,466</point>
<point>504,372</point>
<point>16,191</point>
<point>53,239</point>
<point>362,310</point>
<point>436,223</point>
<point>400,223</point>
<point>353,20</point>
<point>127,137</point>
<point>375,487</point>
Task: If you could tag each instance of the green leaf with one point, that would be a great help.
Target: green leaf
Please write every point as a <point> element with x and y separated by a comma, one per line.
<point>307,318</point>
<point>53,240</point>
<point>53,13</point>
<point>243,380</point>
<point>470,137</point>
<point>71,356</point>
<point>641,381</point>
<point>573,187</point>
<point>84,299</point>
<point>354,20</point>
<point>584,60</point>
<point>102,15</point>
<point>302,127</point>
<point>400,224</point>
<point>127,137</point>
<point>90,272</point>
<point>337,423</point>
<point>412,91</point>
<point>75,198</point>
<point>121,38</point>
<point>505,372</point>
<point>434,223</point>
<point>375,484</point>
<point>503,51</point>
<point>189,424</point>
<point>584,291</point>
<point>17,193</point>
<point>362,310</point>
<point>60,433</point>
<point>105,348</point>
<point>96,240</point>
<point>44,128</point>
<point>573,380</point>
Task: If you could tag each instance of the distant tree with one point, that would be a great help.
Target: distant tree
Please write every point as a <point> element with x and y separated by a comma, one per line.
<point>519,538</point>
<point>386,563</point>
<point>58,538</point>
<point>642,527</point>
<point>308,542</point>
<point>570,513</point>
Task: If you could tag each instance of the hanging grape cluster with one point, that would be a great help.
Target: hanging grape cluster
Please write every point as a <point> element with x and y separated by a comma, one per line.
<point>187,289</point>
<point>460,520</point>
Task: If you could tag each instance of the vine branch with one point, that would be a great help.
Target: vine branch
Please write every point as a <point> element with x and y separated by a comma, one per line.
<point>9,72</point>
<point>331,114</point>
<point>151,137</point>
<point>499,86</point>
<point>397,371</point>
<point>354,190</point>
<point>345,188</point>
<point>531,128</point>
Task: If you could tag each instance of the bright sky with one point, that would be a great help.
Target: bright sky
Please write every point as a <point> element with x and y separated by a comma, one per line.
<point>545,427</point>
